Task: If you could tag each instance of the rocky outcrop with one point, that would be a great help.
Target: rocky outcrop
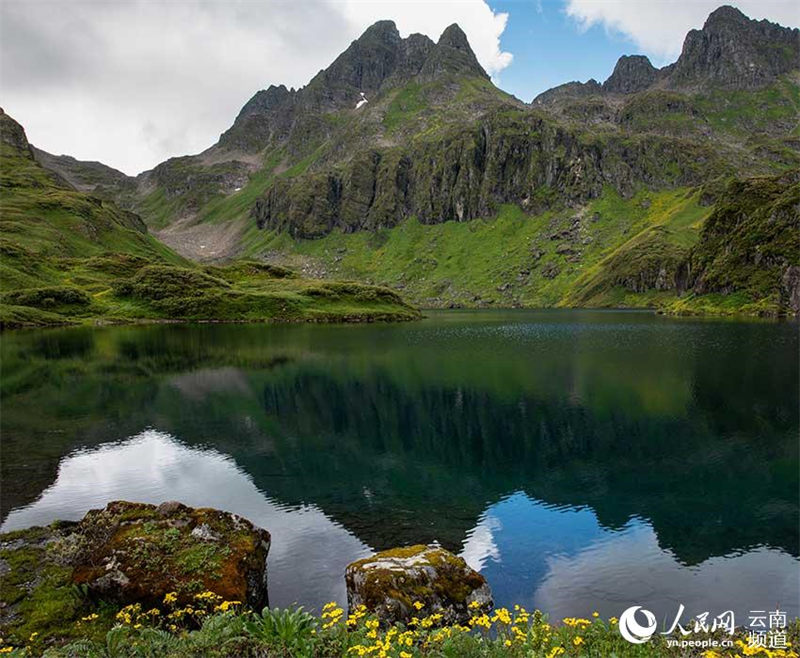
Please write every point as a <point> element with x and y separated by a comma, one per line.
<point>735,51</point>
<point>750,244</point>
<point>569,90</point>
<point>82,175</point>
<point>631,74</point>
<point>451,55</point>
<point>790,290</point>
<point>417,581</point>
<point>13,135</point>
<point>133,552</point>
<point>506,158</point>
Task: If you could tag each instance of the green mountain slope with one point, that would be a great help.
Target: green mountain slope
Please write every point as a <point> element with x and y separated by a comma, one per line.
<point>402,163</point>
<point>67,257</point>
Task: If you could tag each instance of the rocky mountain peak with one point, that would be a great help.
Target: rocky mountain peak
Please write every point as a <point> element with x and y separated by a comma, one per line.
<point>725,15</point>
<point>631,74</point>
<point>452,54</point>
<point>735,51</point>
<point>455,37</point>
<point>266,100</point>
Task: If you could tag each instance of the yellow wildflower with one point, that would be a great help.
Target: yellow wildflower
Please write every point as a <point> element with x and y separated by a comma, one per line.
<point>419,605</point>
<point>577,641</point>
<point>502,615</point>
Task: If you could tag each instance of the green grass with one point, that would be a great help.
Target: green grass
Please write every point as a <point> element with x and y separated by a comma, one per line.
<point>67,257</point>
<point>514,259</point>
<point>404,106</point>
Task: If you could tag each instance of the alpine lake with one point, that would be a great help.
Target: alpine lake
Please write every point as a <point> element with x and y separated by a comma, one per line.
<point>581,460</point>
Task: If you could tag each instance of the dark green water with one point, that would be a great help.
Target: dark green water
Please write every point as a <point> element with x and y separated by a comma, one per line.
<point>582,460</point>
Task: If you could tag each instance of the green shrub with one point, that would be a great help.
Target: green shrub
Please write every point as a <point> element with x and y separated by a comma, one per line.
<point>47,298</point>
<point>155,282</point>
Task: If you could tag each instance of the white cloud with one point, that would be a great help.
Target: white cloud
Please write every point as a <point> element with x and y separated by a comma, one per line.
<point>132,83</point>
<point>658,27</point>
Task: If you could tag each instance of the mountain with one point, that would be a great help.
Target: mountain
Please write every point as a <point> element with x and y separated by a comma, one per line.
<point>402,164</point>
<point>69,256</point>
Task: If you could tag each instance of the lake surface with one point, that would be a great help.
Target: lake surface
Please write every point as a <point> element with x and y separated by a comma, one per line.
<point>581,460</point>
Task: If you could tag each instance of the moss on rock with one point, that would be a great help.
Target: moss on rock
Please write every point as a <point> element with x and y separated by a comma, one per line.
<point>394,584</point>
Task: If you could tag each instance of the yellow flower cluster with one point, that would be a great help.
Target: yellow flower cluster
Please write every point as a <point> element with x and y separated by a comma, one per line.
<point>576,622</point>
<point>357,614</point>
<point>130,615</point>
<point>332,614</point>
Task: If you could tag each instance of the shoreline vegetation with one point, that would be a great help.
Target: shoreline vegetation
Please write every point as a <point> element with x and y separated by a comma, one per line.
<point>102,587</point>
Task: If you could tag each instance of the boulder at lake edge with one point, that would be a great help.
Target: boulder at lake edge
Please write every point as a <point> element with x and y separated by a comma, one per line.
<point>389,583</point>
<point>134,552</point>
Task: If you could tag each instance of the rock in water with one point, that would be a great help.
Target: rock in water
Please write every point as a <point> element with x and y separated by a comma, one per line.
<point>133,552</point>
<point>391,582</point>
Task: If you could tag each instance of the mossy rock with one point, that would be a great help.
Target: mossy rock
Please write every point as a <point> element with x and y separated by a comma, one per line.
<point>393,584</point>
<point>133,552</point>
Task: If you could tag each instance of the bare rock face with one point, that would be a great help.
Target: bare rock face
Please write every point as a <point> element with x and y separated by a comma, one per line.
<point>133,552</point>
<point>790,289</point>
<point>402,583</point>
<point>631,74</point>
<point>736,52</point>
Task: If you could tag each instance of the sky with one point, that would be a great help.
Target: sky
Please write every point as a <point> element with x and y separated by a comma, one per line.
<point>133,82</point>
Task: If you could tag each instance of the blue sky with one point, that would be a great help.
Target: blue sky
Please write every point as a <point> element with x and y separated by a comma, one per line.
<point>549,48</point>
<point>557,41</point>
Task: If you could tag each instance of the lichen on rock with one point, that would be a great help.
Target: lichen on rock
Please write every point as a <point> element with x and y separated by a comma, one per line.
<point>133,552</point>
<point>396,584</point>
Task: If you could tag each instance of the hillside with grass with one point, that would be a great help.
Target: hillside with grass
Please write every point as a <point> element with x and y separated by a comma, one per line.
<point>402,164</point>
<point>69,257</point>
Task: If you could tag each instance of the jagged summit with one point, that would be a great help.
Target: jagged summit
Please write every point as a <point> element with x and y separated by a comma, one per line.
<point>378,60</point>
<point>733,50</point>
<point>631,74</point>
<point>452,54</point>
<point>454,37</point>
<point>725,14</point>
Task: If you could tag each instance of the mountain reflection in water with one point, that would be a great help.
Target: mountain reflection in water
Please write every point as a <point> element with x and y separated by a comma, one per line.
<point>581,460</point>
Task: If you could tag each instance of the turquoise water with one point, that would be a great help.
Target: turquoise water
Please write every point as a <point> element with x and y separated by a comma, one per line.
<point>581,460</point>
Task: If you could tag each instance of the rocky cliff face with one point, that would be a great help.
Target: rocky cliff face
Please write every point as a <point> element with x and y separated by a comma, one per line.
<point>631,74</point>
<point>750,243</point>
<point>468,174</point>
<point>734,51</point>
<point>13,136</point>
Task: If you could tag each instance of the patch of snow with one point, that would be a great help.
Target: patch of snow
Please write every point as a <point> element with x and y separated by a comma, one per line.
<point>363,100</point>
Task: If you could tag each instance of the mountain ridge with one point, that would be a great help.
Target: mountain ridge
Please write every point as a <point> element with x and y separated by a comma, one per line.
<point>400,129</point>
